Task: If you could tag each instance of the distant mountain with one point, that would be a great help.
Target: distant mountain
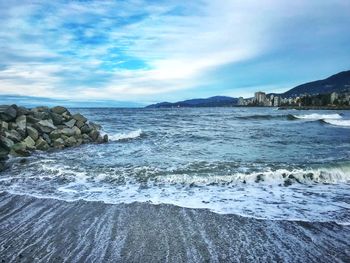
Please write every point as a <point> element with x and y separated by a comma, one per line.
<point>217,101</point>
<point>336,83</point>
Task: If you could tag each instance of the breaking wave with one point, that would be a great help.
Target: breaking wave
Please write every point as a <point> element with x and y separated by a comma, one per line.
<point>126,136</point>
<point>316,116</point>
<point>341,123</point>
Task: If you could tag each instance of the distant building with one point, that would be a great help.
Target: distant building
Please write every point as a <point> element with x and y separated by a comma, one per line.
<point>260,98</point>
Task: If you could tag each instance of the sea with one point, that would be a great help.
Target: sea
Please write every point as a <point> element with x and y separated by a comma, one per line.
<point>263,163</point>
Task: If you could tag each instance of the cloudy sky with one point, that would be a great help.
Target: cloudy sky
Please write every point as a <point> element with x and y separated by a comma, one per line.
<point>150,51</point>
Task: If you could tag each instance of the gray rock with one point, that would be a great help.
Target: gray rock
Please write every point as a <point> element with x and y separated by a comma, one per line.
<point>29,143</point>
<point>71,141</point>
<point>41,109</point>
<point>46,126</point>
<point>41,115</point>
<point>99,139</point>
<point>76,130</point>
<point>70,123</point>
<point>12,126</point>
<point>79,124</point>
<point>68,132</point>
<point>41,144</point>
<point>59,109</point>
<point>8,113</point>
<point>6,143</point>
<point>58,143</point>
<point>22,111</point>
<point>3,153</point>
<point>4,125</point>
<point>86,129</point>
<point>13,135</point>
<point>79,117</point>
<point>19,149</point>
<point>55,134</point>
<point>32,119</point>
<point>105,138</point>
<point>86,138</point>
<point>67,116</point>
<point>94,135</point>
<point>33,133</point>
<point>56,118</point>
<point>47,138</point>
<point>21,122</point>
<point>95,126</point>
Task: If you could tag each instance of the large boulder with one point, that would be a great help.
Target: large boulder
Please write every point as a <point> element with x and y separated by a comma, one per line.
<point>46,126</point>
<point>56,118</point>
<point>94,135</point>
<point>22,111</point>
<point>59,109</point>
<point>76,130</point>
<point>42,145</point>
<point>71,141</point>
<point>42,115</point>
<point>13,135</point>
<point>8,113</point>
<point>3,153</point>
<point>47,138</point>
<point>6,142</point>
<point>79,117</point>
<point>33,133</point>
<point>55,134</point>
<point>4,125</point>
<point>19,149</point>
<point>58,143</point>
<point>21,122</point>
<point>29,143</point>
<point>86,129</point>
<point>105,138</point>
<point>68,132</point>
<point>32,119</point>
<point>41,109</point>
<point>70,123</point>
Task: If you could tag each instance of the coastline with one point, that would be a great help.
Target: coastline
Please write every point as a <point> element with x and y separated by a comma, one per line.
<point>49,230</point>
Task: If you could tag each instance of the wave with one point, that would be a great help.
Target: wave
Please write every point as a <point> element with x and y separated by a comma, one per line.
<point>316,116</point>
<point>342,123</point>
<point>262,117</point>
<point>332,174</point>
<point>126,136</point>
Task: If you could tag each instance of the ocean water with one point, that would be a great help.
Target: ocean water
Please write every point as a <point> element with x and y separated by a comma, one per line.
<point>255,162</point>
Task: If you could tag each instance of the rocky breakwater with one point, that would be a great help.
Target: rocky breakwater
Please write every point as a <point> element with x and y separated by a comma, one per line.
<point>23,130</point>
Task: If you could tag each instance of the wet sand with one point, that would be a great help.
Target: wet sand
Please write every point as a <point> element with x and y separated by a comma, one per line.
<point>48,230</point>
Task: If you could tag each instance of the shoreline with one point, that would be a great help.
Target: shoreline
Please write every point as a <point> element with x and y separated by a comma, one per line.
<point>44,230</point>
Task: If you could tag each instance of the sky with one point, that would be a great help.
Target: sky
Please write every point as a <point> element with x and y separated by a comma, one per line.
<point>145,51</point>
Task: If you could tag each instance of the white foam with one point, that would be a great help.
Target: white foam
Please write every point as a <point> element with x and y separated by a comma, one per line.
<point>316,116</point>
<point>342,123</point>
<point>125,136</point>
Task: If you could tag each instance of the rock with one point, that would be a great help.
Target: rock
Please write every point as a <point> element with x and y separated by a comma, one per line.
<point>32,119</point>
<point>13,135</point>
<point>67,116</point>
<point>86,129</point>
<point>8,113</point>
<point>19,149</point>
<point>70,123</point>
<point>29,143</point>
<point>58,143</point>
<point>79,124</point>
<point>105,138</point>
<point>4,125</point>
<point>41,109</point>
<point>95,126</point>
<point>22,111</point>
<point>41,144</point>
<point>47,138</point>
<point>56,118</point>
<point>71,141</point>
<point>94,135</point>
<point>33,133</point>
<point>86,138</point>
<point>68,132</point>
<point>79,117</point>
<point>41,115</point>
<point>55,134</point>
<point>99,139</point>
<point>59,109</point>
<point>76,130</point>
<point>46,126</point>
<point>21,122</point>
<point>12,126</point>
<point>6,143</point>
<point>3,153</point>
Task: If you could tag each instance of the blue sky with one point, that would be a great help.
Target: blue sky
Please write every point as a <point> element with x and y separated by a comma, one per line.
<point>166,50</point>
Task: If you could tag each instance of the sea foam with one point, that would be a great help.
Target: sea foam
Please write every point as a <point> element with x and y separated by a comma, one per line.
<point>126,136</point>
